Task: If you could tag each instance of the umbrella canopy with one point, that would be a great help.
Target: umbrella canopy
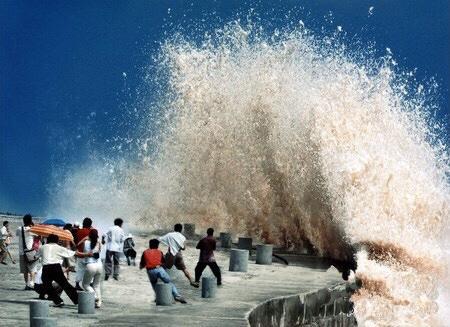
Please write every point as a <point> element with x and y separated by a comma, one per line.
<point>55,222</point>
<point>46,230</point>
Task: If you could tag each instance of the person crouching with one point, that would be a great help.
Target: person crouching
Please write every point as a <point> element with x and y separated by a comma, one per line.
<point>152,260</point>
<point>52,256</point>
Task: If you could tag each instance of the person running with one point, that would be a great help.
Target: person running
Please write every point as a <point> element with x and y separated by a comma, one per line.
<point>94,267</point>
<point>5,240</point>
<point>113,238</point>
<point>26,239</point>
<point>129,251</point>
<point>52,256</point>
<point>175,242</point>
<point>153,261</point>
<point>81,237</point>
<point>207,245</point>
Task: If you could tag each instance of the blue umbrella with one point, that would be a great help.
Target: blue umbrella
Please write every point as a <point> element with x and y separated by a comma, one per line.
<point>55,222</point>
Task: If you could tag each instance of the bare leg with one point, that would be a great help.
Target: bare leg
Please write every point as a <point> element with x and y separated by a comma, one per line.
<point>188,275</point>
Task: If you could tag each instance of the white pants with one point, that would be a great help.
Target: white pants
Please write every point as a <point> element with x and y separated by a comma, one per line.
<point>93,274</point>
<point>81,266</point>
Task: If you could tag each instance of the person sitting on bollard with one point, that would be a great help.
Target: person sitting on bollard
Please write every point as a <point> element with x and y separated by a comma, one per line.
<point>113,238</point>
<point>153,261</point>
<point>52,256</point>
<point>94,266</point>
<point>39,286</point>
<point>207,245</point>
<point>175,242</point>
<point>129,251</point>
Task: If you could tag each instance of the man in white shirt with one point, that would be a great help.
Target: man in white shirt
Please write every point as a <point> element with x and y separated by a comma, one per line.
<point>5,239</point>
<point>114,238</point>
<point>175,242</point>
<point>52,256</point>
<point>24,235</point>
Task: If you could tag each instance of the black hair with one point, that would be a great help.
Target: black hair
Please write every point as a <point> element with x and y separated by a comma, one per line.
<point>5,223</point>
<point>27,220</point>
<point>52,238</point>
<point>118,222</point>
<point>210,231</point>
<point>178,228</point>
<point>87,222</point>
<point>93,237</point>
<point>153,243</point>
<point>68,227</point>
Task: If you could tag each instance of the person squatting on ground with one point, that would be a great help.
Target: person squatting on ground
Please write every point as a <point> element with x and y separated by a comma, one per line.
<point>5,240</point>
<point>207,245</point>
<point>113,238</point>
<point>81,236</point>
<point>39,286</point>
<point>129,251</point>
<point>28,267</point>
<point>94,268</point>
<point>52,256</point>
<point>175,242</point>
<point>153,260</point>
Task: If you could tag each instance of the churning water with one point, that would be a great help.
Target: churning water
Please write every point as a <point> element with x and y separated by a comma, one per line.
<point>299,141</point>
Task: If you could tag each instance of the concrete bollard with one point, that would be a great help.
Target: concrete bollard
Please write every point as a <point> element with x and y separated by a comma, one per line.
<point>209,287</point>
<point>238,260</point>
<point>245,243</point>
<point>38,308</point>
<point>189,230</point>
<point>264,254</point>
<point>43,322</point>
<point>163,294</point>
<point>225,240</point>
<point>86,302</point>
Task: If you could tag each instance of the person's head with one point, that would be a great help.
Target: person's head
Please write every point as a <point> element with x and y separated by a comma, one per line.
<point>130,235</point>
<point>118,222</point>
<point>6,223</point>
<point>87,222</point>
<point>178,228</point>
<point>68,227</point>
<point>153,243</point>
<point>27,220</point>
<point>52,238</point>
<point>210,231</point>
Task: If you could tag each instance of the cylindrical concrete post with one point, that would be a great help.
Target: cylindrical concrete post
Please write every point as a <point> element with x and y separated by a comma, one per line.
<point>86,302</point>
<point>225,240</point>
<point>238,260</point>
<point>163,294</point>
<point>38,308</point>
<point>189,230</point>
<point>264,254</point>
<point>209,287</point>
<point>43,322</point>
<point>245,243</point>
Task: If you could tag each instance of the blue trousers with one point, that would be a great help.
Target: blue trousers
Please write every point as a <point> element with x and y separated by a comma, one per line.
<point>154,274</point>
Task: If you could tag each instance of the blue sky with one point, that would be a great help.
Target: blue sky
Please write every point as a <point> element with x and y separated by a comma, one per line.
<point>62,88</point>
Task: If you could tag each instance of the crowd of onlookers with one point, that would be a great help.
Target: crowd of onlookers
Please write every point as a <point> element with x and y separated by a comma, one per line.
<point>46,261</point>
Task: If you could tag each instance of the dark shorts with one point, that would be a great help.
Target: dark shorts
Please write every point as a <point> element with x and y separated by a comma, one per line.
<point>176,261</point>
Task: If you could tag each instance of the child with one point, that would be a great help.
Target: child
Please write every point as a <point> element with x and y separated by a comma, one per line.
<point>128,250</point>
<point>152,260</point>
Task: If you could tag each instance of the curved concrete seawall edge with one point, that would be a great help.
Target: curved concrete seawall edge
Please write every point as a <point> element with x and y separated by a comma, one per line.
<point>323,307</point>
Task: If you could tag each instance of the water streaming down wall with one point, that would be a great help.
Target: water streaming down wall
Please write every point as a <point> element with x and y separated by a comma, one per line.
<point>298,141</point>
